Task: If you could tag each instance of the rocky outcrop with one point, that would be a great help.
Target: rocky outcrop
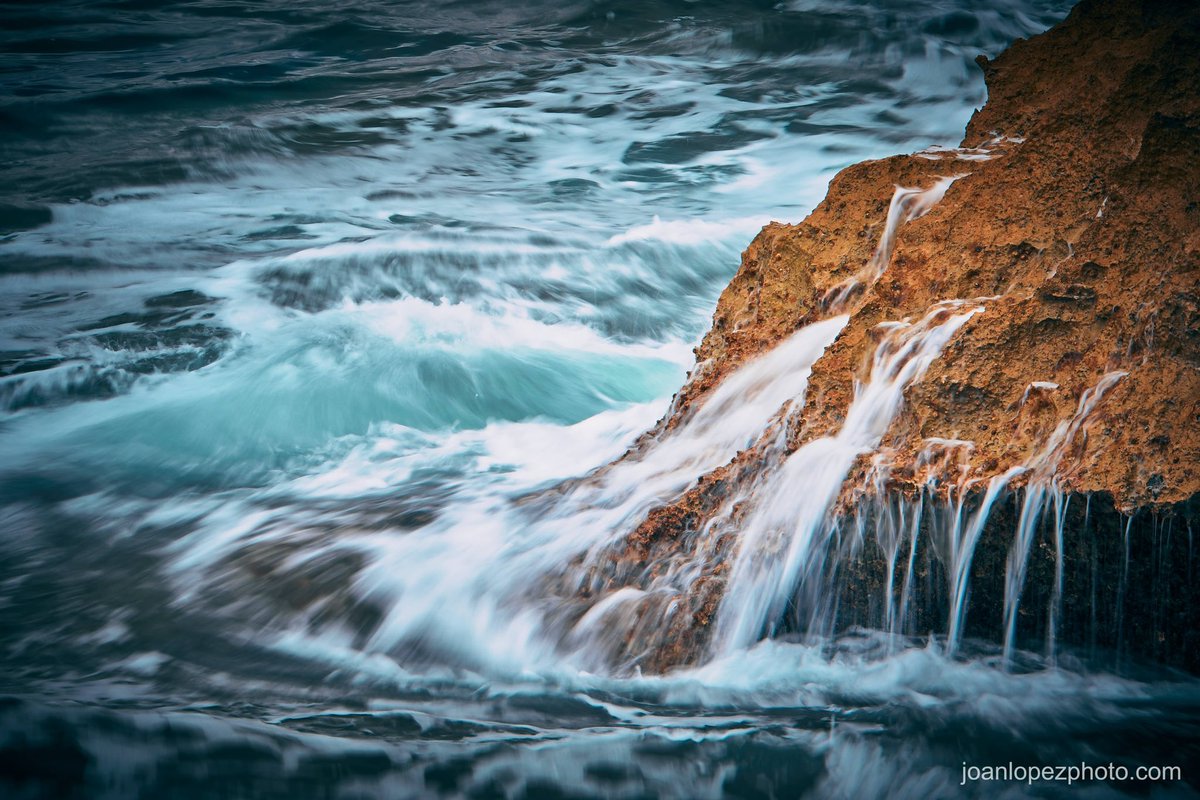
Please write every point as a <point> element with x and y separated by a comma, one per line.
<point>1071,215</point>
<point>1082,222</point>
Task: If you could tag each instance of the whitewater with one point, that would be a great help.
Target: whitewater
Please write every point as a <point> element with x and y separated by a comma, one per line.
<point>321,332</point>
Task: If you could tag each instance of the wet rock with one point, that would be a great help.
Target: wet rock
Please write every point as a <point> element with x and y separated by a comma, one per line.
<point>1090,192</point>
<point>1074,221</point>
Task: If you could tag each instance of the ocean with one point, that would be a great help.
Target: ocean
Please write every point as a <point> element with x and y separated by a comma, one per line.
<point>313,315</point>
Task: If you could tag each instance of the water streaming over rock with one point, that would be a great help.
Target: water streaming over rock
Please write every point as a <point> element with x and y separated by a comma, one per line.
<point>907,204</point>
<point>329,343</point>
<point>788,533</point>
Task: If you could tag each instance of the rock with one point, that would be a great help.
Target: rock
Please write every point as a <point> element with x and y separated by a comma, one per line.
<point>1082,229</point>
<point>1073,219</point>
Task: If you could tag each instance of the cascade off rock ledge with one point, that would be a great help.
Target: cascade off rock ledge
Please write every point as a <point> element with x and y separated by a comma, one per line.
<point>1073,219</point>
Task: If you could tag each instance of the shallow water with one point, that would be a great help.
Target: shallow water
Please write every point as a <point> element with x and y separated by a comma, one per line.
<point>302,311</point>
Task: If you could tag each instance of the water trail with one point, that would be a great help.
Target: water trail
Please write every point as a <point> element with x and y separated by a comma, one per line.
<point>889,514</point>
<point>906,590</point>
<point>739,409</point>
<point>1190,548</point>
<point>1061,502</point>
<point>732,418</point>
<point>502,550</point>
<point>963,541</point>
<point>1123,587</point>
<point>907,204</point>
<point>739,413</point>
<point>1018,555</point>
<point>1093,576</point>
<point>782,535</point>
<point>891,548</point>
<point>897,524</point>
<point>939,459</point>
<point>1044,484</point>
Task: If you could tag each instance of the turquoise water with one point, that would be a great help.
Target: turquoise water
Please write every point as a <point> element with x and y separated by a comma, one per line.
<point>306,312</point>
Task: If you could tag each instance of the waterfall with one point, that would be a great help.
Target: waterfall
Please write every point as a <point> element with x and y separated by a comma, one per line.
<point>744,409</point>
<point>1043,485</point>
<point>962,552</point>
<point>785,535</point>
<point>907,203</point>
<point>506,552</point>
<point>793,544</point>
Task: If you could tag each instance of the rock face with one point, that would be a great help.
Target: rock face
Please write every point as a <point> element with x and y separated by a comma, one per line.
<point>1084,224</point>
<point>1071,216</point>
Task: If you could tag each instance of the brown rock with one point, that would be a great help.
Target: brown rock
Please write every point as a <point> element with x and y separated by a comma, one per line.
<point>1084,226</point>
<point>1079,234</point>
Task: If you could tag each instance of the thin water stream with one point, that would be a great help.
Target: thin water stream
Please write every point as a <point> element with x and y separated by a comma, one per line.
<point>318,328</point>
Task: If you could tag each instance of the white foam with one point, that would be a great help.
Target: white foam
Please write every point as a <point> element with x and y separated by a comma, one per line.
<point>688,231</point>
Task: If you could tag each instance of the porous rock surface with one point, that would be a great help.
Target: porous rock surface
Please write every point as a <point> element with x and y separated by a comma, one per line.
<point>1084,229</point>
<point>1075,223</point>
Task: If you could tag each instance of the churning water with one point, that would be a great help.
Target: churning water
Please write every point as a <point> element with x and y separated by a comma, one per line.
<point>308,312</point>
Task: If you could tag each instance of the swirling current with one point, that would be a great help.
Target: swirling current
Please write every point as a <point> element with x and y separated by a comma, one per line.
<point>301,303</point>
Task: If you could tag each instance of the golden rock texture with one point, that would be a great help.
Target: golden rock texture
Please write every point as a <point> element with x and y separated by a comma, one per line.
<point>1075,223</point>
<point>1083,229</point>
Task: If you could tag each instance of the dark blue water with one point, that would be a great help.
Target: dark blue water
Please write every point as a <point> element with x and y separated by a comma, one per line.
<point>301,303</point>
